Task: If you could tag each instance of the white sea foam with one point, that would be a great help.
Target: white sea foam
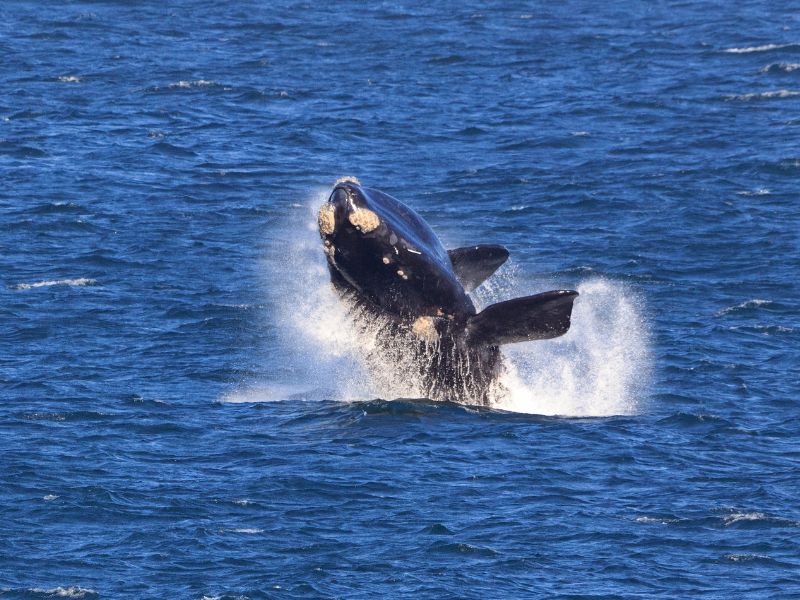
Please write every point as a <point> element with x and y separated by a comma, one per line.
<point>599,368</point>
<point>69,79</point>
<point>754,303</point>
<point>744,516</point>
<point>655,520</point>
<point>746,557</point>
<point>764,95</point>
<point>245,530</point>
<point>49,497</point>
<point>758,192</point>
<point>755,516</point>
<point>66,592</point>
<point>785,67</point>
<point>190,84</point>
<point>763,48</point>
<point>73,282</point>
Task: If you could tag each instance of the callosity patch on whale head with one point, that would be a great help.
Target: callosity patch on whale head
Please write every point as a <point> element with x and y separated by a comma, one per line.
<point>363,219</point>
<point>386,252</point>
<point>425,329</point>
<point>346,179</point>
<point>327,219</point>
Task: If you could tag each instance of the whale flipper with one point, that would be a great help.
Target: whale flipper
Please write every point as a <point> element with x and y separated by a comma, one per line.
<point>538,317</point>
<point>474,264</point>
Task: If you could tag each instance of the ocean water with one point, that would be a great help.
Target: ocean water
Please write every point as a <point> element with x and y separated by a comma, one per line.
<point>183,408</point>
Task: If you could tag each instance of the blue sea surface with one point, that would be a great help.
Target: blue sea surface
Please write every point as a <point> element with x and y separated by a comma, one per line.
<point>183,409</point>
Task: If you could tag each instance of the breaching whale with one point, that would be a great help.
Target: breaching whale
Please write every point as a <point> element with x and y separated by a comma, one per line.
<point>399,283</point>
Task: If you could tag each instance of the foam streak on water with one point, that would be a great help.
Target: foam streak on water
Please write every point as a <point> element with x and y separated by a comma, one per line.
<point>80,281</point>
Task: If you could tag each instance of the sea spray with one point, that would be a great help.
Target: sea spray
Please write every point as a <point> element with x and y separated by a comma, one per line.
<point>318,341</point>
<point>598,368</point>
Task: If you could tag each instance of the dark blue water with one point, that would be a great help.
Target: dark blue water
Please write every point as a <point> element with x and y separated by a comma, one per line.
<point>184,413</point>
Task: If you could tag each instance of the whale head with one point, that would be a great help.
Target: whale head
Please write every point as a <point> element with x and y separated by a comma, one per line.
<point>386,252</point>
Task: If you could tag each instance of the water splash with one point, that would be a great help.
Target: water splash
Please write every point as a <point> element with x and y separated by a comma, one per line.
<point>597,369</point>
<point>319,342</point>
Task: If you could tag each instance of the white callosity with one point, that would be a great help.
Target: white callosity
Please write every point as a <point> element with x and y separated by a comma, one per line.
<point>327,219</point>
<point>364,220</point>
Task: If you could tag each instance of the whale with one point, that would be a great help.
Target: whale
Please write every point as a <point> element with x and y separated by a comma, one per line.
<point>410,298</point>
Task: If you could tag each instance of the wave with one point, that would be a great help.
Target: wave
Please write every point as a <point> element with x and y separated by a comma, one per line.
<point>764,95</point>
<point>190,84</point>
<point>748,558</point>
<point>245,530</point>
<point>763,48</point>
<point>747,305</point>
<point>743,516</point>
<point>659,520</point>
<point>783,67</point>
<point>65,592</point>
<point>81,281</point>
<point>184,84</point>
<point>758,518</point>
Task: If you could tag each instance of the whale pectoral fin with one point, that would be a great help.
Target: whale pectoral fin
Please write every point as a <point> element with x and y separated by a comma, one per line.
<point>538,317</point>
<point>474,264</point>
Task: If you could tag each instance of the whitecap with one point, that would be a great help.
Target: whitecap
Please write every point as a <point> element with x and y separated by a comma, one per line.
<point>655,520</point>
<point>69,79</point>
<point>744,516</point>
<point>758,192</point>
<point>764,95</point>
<point>81,281</point>
<point>764,48</point>
<point>50,497</point>
<point>245,530</point>
<point>785,67</point>
<point>745,557</point>
<point>183,84</point>
<point>66,592</point>
<point>754,303</point>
